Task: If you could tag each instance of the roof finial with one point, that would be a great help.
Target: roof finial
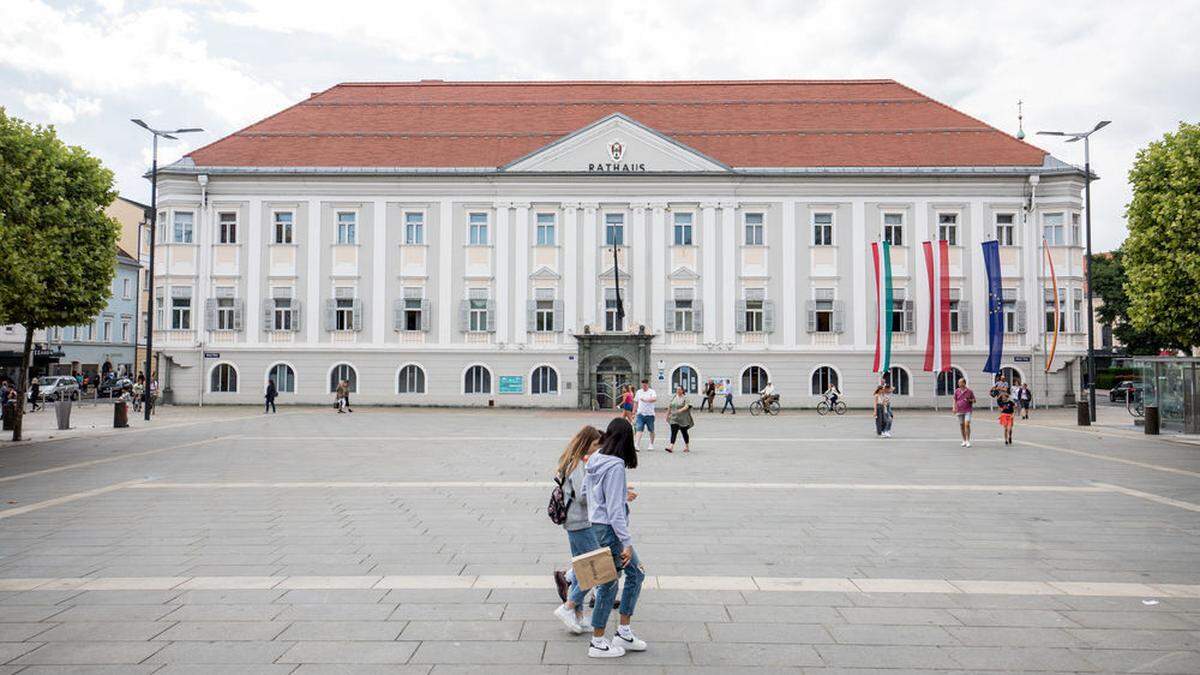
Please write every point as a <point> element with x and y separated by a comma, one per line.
<point>1020,121</point>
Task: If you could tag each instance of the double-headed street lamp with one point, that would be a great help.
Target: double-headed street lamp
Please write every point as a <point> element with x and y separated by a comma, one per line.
<point>155,133</point>
<point>1087,270</point>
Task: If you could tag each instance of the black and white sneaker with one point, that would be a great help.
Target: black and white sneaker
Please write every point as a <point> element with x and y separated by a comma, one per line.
<point>601,649</point>
<point>630,642</point>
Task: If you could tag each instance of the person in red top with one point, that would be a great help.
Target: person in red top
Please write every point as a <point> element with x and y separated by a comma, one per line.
<point>964,403</point>
<point>1008,408</point>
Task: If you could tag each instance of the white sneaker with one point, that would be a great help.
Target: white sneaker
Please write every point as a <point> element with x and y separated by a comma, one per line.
<point>963,444</point>
<point>567,616</point>
<point>650,447</point>
<point>630,642</point>
<point>601,649</point>
<point>887,434</point>
<point>967,444</point>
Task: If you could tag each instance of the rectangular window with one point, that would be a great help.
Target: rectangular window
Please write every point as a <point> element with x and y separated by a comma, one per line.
<point>956,318</point>
<point>414,228</point>
<point>477,234</point>
<point>1076,231</point>
<point>1008,300</point>
<point>159,308</point>
<point>225,310</point>
<point>754,316</point>
<point>413,298</point>
<point>183,227</point>
<point>614,229</point>
<point>1077,311</point>
<point>344,314</point>
<point>106,333</point>
<point>900,310</point>
<point>124,331</point>
<point>227,227</point>
<point>948,228</point>
<point>1049,310</point>
<point>347,222</point>
<point>145,324</point>
<point>823,310</point>
<point>161,228</point>
<point>181,313</point>
<point>754,229</point>
<point>893,228</point>
<point>478,318</point>
<point>1006,229</point>
<point>91,332</point>
<point>543,316</point>
<point>283,316</point>
<point>1052,229</point>
<point>613,321</point>
<point>685,315</point>
<point>545,229</point>
<point>283,227</point>
<point>822,229</point>
<point>126,289</point>
<point>682,229</point>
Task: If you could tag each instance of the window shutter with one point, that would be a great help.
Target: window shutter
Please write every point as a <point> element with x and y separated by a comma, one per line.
<point>269,314</point>
<point>491,316</point>
<point>398,314</point>
<point>839,316</point>
<point>768,316</point>
<point>297,315</point>
<point>670,328</point>
<point>464,315</point>
<point>210,313</point>
<point>425,309</point>
<point>531,315</point>
<point>558,315</point>
<point>1019,310</point>
<point>964,316</point>
<point>358,314</point>
<point>330,314</point>
<point>908,316</point>
<point>811,308</point>
<point>697,316</point>
<point>740,312</point>
<point>239,311</point>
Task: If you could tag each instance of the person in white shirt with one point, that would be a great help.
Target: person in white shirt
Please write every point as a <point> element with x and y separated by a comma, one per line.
<point>768,394</point>
<point>645,399</point>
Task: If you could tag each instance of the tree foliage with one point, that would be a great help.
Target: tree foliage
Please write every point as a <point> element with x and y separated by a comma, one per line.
<point>1162,253</point>
<point>1108,284</point>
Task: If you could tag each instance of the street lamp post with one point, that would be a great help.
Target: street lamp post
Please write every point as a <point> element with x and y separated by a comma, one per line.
<point>155,134</point>
<point>1087,270</point>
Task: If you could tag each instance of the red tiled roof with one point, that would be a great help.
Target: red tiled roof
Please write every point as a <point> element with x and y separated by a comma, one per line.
<point>795,123</point>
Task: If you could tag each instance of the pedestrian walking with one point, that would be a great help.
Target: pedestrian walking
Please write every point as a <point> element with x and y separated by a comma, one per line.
<point>1024,400</point>
<point>883,410</point>
<point>728,399</point>
<point>679,417</point>
<point>608,493</point>
<point>1008,409</point>
<point>710,395</point>
<point>153,399</point>
<point>626,403</point>
<point>645,399</point>
<point>35,395</point>
<point>271,394</point>
<point>342,397</point>
<point>570,475</point>
<point>139,393</point>
<point>999,386</point>
<point>964,403</point>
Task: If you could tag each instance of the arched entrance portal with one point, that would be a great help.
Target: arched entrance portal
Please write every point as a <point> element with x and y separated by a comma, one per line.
<point>612,373</point>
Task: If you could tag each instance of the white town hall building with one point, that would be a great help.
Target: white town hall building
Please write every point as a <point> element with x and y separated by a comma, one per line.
<point>454,243</point>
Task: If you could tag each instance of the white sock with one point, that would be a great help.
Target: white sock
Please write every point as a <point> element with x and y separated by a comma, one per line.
<point>598,641</point>
<point>624,631</point>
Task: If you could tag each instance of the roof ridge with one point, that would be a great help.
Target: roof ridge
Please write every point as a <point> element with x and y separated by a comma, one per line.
<point>506,83</point>
<point>668,132</point>
<point>631,101</point>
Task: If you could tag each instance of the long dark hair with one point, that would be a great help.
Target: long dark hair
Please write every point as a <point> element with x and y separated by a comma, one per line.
<point>618,441</point>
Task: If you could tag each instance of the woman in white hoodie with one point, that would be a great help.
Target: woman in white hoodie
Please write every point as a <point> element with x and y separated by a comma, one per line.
<point>608,510</point>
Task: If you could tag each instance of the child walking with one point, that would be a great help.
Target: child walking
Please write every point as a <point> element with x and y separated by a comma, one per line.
<point>1008,408</point>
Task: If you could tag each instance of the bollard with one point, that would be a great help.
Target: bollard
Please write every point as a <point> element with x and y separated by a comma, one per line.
<point>1152,420</point>
<point>62,413</point>
<point>1083,417</point>
<point>120,415</point>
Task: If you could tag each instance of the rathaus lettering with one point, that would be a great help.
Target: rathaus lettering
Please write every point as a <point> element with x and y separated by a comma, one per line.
<point>618,168</point>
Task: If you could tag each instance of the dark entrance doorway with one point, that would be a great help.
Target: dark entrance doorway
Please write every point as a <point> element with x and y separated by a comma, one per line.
<point>607,361</point>
<point>612,374</point>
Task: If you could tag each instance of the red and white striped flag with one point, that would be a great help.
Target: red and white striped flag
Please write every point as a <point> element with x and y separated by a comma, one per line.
<point>937,272</point>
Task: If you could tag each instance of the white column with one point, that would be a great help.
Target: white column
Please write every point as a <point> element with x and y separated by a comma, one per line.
<point>591,232</point>
<point>314,308</point>
<point>521,274</point>
<point>658,277</point>
<point>979,286</point>
<point>1030,239</point>
<point>709,244</point>
<point>254,255</point>
<point>918,233</point>
<point>569,268</point>
<point>204,242</point>
<point>447,309</point>
<point>379,284</point>
<point>788,301</point>
<point>503,279</point>
<point>729,278</point>
<point>639,286</point>
<point>859,252</point>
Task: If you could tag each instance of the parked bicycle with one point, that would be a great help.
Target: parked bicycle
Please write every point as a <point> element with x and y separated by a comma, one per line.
<point>827,405</point>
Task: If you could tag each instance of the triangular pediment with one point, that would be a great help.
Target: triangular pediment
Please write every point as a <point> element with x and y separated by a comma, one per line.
<point>544,273</point>
<point>619,145</point>
<point>608,274</point>
<point>684,274</point>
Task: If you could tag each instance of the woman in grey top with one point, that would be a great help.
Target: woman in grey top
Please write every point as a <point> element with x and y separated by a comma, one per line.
<point>579,529</point>
<point>679,416</point>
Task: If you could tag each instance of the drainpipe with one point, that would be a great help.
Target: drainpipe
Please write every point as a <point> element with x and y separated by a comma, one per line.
<point>201,259</point>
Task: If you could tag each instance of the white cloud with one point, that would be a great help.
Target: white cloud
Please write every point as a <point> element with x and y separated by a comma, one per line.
<point>61,107</point>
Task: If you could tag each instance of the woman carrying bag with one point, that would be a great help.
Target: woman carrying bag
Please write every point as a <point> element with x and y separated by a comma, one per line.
<point>679,416</point>
<point>569,475</point>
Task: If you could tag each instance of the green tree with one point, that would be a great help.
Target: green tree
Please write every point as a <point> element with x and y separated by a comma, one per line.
<point>1108,283</point>
<point>1162,253</point>
<point>57,247</point>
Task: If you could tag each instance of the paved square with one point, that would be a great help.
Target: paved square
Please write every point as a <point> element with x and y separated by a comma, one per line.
<point>415,541</point>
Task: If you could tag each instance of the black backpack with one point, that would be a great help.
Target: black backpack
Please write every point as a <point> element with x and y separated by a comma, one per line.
<point>557,508</point>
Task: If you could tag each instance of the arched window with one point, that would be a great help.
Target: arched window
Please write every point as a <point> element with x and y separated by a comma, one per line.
<point>284,376</point>
<point>947,381</point>
<point>545,381</point>
<point>898,378</point>
<point>823,378</point>
<point>1012,375</point>
<point>477,380</point>
<point>754,379</point>
<point>686,377</point>
<point>412,380</point>
<point>343,371</point>
<point>224,379</point>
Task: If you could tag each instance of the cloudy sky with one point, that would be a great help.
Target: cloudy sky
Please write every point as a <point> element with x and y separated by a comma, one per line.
<point>87,66</point>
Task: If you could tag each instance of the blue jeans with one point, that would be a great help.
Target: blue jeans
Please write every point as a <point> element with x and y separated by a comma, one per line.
<point>607,593</point>
<point>581,542</point>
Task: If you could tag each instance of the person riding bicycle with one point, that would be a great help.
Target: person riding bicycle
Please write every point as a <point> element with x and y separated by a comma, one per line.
<point>768,395</point>
<point>832,395</point>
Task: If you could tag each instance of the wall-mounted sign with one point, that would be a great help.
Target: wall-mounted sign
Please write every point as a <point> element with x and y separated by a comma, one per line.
<point>512,384</point>
<point>212,355</point>
<point>1022,359</point>
<point>616,151</point>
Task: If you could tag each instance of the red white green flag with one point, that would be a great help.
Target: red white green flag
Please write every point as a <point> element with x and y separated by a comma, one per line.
<point>881,253</point>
